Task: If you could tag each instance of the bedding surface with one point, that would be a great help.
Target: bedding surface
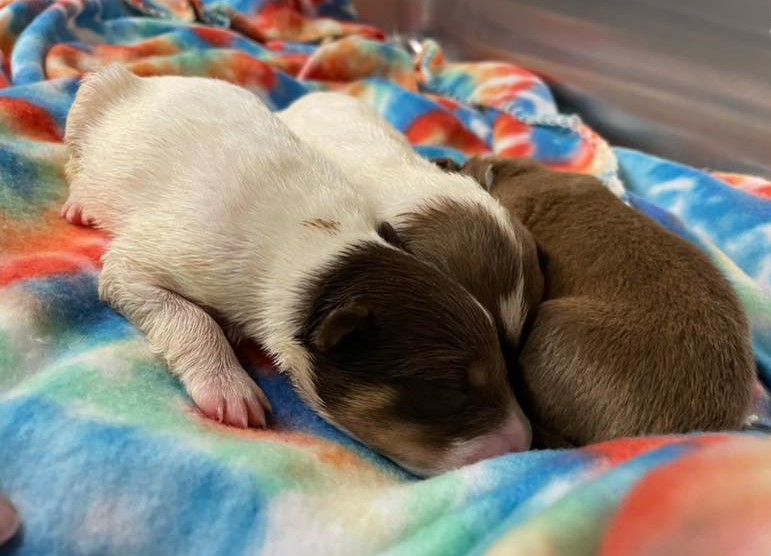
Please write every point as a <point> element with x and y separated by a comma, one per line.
<point>103,452</point>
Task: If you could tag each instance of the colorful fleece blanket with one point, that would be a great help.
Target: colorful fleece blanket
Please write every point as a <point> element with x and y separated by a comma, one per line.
<point>102,451</point>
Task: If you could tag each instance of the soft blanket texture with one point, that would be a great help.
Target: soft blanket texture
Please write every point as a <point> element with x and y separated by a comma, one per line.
<point>102,451</point>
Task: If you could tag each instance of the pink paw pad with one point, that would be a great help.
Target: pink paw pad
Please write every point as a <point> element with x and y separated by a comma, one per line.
<point>73,213</point>
<point>240,403</point>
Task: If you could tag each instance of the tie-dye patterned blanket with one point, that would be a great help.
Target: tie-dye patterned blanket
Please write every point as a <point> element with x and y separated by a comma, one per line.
<point>102,451</point>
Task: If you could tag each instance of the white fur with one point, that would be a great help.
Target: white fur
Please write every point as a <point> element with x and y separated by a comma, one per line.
<point>205,192</point>
<point>381,163</point>
<point>514,306</point>
<point>378,159</point>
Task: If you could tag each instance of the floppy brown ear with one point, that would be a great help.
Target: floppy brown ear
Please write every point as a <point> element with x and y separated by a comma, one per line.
<point>340,323</point>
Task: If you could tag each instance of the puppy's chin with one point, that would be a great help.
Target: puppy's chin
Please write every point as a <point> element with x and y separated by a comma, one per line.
<point>418,461</point>
<point>409,463</point>
<point>512,435</point>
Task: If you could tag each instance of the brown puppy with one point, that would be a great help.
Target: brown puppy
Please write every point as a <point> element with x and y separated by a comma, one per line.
<point>638,333</point>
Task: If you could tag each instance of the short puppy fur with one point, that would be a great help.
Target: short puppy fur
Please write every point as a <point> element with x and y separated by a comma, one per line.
<point>638,332</point>
<point>444,219</point>
<point>217,209</point>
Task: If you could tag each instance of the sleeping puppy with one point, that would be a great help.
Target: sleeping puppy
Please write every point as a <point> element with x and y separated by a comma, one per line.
<point>638,333</point>
<point>444,219</point>
<point>218,210</point>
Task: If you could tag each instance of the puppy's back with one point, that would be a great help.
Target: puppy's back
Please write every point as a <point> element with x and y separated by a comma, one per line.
<point>184,130</point>
<point>374,155</point>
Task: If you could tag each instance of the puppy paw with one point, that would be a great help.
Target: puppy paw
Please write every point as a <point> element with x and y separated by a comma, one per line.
<point>73,213</point>
<point>230,398</point>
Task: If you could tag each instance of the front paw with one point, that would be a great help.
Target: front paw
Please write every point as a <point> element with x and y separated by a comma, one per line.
<point>74,214</point>
<point>230,397</point>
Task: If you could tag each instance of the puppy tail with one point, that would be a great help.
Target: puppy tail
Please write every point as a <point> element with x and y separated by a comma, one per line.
<point>97,92</point>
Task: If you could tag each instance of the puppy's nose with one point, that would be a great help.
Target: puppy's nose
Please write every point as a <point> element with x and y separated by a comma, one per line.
<point>514,435</point>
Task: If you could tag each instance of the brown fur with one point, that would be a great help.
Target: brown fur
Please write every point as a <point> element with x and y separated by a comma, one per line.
<point>454,238</point>
<point>325,224</point>
<point>638,333</point>
<point>376,371</point>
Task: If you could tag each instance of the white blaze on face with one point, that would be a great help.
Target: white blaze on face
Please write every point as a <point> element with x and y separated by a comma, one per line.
<point>513,309</point>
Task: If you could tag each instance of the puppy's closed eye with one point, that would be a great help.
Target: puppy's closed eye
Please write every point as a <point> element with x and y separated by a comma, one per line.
<point>432,400</point>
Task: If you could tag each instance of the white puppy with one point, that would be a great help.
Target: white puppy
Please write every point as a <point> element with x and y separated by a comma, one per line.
<point>218,210</point>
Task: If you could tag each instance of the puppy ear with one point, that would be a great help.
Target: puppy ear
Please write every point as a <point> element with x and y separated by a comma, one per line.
<point>482,169</point>
<point>390,235</point>
<point>489,177</point>
<point>447,164</point>
<point>340,323</point>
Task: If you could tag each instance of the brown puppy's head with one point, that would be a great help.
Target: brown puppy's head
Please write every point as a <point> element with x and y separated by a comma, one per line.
<point>409,363</point>
<point>486,249</point>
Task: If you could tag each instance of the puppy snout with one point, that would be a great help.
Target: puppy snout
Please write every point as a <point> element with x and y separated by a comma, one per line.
<point>514,435</point>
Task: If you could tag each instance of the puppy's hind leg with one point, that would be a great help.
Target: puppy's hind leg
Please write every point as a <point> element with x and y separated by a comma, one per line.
<point>192,343</point>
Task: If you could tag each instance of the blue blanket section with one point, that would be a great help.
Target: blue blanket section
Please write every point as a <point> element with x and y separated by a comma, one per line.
<point>110,488</point>
<point>736,222</point>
